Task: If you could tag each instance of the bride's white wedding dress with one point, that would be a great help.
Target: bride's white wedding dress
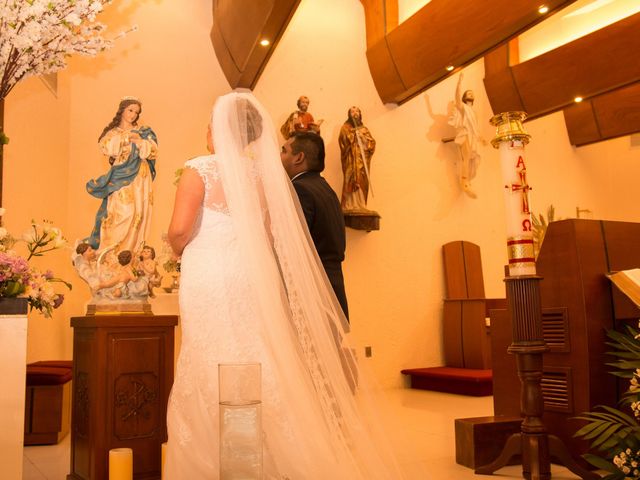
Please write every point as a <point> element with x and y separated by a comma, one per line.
<point>220,325</point>
<point>252,290</point>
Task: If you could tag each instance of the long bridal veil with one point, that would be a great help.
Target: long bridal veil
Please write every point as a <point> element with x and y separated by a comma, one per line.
<point>327,397</point>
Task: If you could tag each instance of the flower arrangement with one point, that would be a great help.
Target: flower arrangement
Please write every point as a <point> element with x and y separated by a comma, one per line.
<point>36,36</point>
<point>612,431</point>
<point>18,279</point>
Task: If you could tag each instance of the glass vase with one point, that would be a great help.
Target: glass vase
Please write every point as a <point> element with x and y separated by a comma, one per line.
<point>240,421</point>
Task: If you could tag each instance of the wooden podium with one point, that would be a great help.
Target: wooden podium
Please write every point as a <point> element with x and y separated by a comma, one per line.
<point>578,305</point>
<point>122,375</point>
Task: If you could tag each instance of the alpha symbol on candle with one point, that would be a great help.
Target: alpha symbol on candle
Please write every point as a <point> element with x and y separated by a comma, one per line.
<point>523,186</point>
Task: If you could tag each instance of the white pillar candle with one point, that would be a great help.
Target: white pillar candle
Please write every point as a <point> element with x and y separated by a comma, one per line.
<point>120,464</point>
<point>510,141</point>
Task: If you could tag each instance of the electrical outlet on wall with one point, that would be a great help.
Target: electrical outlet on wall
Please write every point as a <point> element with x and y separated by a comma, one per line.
<point>367,351</point>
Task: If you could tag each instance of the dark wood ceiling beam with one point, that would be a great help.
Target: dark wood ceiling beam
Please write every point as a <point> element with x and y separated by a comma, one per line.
<point>604,60</point>
<point>380,16</point>
<point>610,115</point>
<point>238,27</point>
<point>602,67</point>
<point>413,56</point>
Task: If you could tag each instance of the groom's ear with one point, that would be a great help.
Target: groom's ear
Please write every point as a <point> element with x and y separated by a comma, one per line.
<point>300,159</point>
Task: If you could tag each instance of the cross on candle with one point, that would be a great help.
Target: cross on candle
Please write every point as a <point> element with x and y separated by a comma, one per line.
<point>523,186</point>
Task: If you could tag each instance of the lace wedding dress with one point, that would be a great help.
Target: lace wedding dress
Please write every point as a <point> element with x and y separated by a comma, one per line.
<point>218,330</point>
<point>252,290</point>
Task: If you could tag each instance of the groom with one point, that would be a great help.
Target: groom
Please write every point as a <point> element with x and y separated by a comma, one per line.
<point>302,156</point>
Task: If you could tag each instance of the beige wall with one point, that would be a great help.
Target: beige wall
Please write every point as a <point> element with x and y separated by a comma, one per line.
<point>394,276</point>
<point>36,179</point>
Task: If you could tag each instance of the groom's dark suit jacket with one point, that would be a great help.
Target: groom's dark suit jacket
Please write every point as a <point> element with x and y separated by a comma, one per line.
<point>324,217</point>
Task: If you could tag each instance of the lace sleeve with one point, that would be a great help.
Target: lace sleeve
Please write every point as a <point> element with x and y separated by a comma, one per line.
<point>207,168</point>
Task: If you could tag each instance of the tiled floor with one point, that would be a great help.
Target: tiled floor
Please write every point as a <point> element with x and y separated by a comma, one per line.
<point>426,443</point>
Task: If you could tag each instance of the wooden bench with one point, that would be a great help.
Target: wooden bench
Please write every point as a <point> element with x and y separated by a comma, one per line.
<point>47,402</point>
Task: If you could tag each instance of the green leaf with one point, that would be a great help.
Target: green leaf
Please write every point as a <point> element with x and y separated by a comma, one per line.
<point>600,463</point>
<point>605,435</point>
<point>599,428</point>
<point>588,429</point>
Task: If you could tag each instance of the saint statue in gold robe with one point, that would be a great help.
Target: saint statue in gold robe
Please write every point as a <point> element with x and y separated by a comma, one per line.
<point>357,147</point>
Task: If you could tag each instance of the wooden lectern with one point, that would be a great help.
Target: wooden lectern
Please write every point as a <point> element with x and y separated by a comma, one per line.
<point>122,376</point>
<point>578,305</point>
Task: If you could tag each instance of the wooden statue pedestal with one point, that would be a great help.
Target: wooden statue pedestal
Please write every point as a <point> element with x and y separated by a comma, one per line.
<point>362,220</point>
<point>122,375</point>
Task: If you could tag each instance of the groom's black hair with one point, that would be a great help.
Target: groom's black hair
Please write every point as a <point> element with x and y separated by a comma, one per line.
<point>312,145</point>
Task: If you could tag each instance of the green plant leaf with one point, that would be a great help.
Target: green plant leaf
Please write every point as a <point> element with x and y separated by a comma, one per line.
<point>599,427</point>
<point>589,428</point>
<point>606,435</point>
<point>601,463</point>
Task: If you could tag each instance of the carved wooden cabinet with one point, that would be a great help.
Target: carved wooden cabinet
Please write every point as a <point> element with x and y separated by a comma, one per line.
<point>122,376</point>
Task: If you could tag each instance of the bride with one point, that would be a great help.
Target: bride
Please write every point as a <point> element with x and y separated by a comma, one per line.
<point>253,290</point>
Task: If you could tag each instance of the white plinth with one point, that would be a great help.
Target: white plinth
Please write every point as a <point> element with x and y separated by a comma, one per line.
<point>13,358</point>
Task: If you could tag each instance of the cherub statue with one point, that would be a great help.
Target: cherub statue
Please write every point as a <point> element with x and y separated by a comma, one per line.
<point>85,264</point>
<point>129,282</point>
<point>117,279</point>
<point>148,267</point>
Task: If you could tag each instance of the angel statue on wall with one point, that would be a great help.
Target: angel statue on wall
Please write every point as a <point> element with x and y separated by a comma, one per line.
<point>300,120</point>
<point>467,136</point>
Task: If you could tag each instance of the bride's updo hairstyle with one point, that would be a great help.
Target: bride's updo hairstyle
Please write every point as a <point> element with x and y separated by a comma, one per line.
<point>250,119</point>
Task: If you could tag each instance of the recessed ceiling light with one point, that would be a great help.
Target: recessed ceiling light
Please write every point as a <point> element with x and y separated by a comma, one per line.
<point>577,99</point>
<point>449,68</point>
<point>264,42</point>
<point>543,9</point>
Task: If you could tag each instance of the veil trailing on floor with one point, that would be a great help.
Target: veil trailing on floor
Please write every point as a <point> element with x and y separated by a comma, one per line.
<point>302,325</point>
